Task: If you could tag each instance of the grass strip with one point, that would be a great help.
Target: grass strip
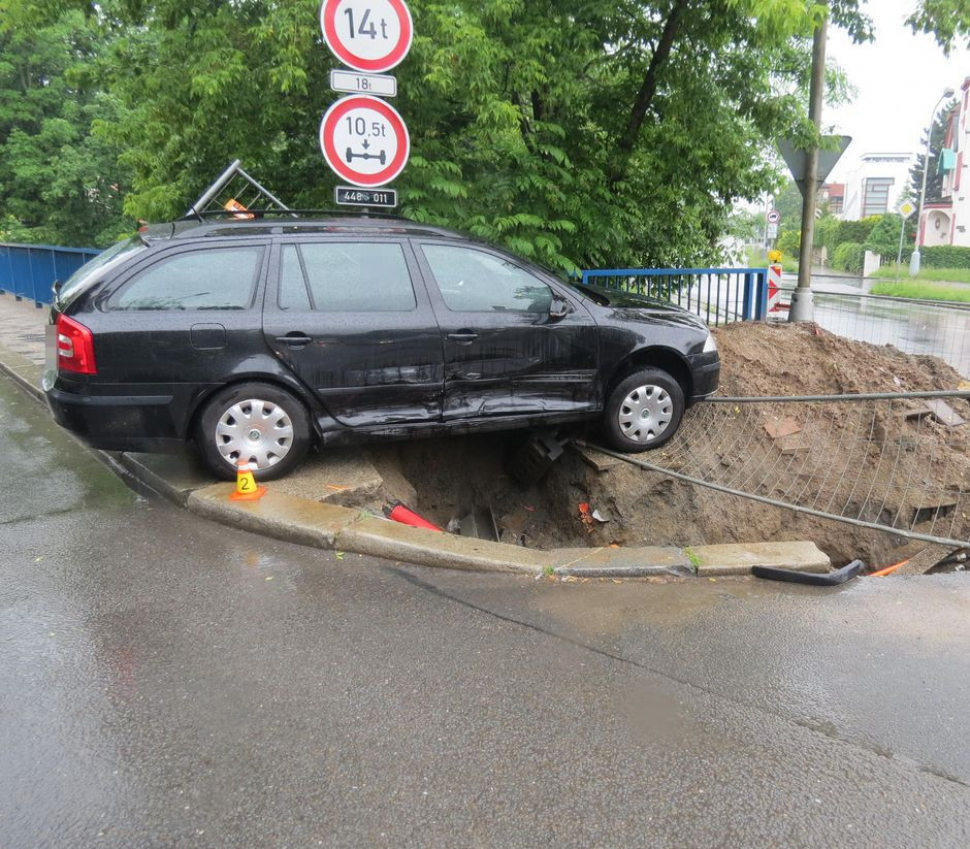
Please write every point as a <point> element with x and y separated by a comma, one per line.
<point>922,290</point>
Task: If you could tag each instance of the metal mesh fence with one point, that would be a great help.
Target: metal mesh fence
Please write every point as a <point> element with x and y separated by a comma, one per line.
<point>914,327</point>
<point>896,462</point>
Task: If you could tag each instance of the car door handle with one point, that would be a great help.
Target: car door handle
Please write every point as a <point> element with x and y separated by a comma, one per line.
<point>463,337</point>
<point>294,339</point>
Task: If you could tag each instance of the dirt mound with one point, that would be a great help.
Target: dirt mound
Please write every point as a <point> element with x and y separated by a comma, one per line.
<point>453,476</point>
<point>802,359</point>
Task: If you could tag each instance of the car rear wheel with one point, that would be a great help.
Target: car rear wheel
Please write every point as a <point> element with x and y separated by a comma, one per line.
<point>643,411</point>
<point>255,422</point>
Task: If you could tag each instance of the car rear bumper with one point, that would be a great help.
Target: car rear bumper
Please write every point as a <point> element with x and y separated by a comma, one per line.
<point>107,422</point>
<point>705,372</point>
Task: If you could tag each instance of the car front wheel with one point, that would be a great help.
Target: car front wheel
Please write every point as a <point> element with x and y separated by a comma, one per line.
<point>257,423</point>
<point>643,411</point>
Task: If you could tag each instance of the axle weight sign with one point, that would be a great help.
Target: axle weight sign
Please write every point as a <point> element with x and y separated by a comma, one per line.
<point>364,140</point>
<point>372,36</point>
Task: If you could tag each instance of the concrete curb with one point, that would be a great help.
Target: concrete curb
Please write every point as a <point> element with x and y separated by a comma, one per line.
<point>326,526</point>
<point>23,372</point>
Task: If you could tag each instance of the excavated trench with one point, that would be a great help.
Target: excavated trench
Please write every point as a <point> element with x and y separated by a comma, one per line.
<point>467,480</point>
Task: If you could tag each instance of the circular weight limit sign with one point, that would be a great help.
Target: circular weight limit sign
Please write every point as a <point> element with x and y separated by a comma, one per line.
<point>372,36</point>
<point>364,141</point>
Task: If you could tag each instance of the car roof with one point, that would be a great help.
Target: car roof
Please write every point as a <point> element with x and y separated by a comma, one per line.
<point>361,225</point>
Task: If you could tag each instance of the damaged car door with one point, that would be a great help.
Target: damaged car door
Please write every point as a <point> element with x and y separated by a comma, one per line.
<point>352,319</point>
<point>514,343</point>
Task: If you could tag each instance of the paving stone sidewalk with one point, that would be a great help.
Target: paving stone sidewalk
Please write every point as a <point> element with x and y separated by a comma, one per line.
<point>22,328</point>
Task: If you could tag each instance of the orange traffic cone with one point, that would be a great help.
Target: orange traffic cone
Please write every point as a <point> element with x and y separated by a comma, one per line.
<point>246,486</point>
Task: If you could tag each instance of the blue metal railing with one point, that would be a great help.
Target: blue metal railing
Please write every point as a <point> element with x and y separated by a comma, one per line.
<point>718,295</point>
<point>29,271</point>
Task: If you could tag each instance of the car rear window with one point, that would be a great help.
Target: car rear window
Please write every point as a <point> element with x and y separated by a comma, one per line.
<point>348,277</point>
<point>214,279</point>
<point>91,271</point>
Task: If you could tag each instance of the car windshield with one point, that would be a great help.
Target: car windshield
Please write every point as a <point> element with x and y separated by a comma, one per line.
<point>117,253</point>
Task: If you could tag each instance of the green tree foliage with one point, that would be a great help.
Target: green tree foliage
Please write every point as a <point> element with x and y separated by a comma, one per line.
<point>576,132</point>
<point>884,237</point>
<point>849,256</point>
<point>788,202</point>
<point>790,242</point>
<point>59,181</point>
<point>826,233</point>
<point>934,179</point>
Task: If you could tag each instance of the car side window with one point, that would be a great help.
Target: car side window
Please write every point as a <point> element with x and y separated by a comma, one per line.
<point>357,277</point>
<point>213,279</point>
<point>475,281</point>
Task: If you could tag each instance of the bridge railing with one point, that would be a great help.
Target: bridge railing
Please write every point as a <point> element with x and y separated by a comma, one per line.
<point>718,295</point>
<point>29,271</point>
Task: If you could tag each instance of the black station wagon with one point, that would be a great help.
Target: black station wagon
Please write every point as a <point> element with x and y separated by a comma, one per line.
<point>257,339</point>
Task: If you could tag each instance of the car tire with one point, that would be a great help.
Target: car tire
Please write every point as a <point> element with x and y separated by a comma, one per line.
<point>643,411</point>
<point>257,422</point>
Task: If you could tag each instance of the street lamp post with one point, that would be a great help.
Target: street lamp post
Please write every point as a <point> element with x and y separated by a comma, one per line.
<point>915,259</point>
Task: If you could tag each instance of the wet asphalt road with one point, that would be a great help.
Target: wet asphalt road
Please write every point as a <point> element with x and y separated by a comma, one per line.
<point>167,682</point>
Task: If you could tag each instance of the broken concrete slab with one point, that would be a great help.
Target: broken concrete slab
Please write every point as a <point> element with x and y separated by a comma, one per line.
<point>396,486</point>
<point>793,443</point>
<point>596,460</point>
<point>777,428</point>
<point>802,556</point>
<point>276,514</point>
<point>342,476</point>
<point>944,413</point>
<point>620,562</point>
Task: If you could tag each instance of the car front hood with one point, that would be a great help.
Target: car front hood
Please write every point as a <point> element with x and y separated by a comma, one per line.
<point>634,307</point>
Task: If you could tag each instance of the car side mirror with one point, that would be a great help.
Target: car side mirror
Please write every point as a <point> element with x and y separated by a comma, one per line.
<point>559,308</point>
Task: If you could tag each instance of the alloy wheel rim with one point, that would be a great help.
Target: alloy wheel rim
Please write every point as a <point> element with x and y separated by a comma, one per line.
<point>255,431</point>
<point>645,413</point>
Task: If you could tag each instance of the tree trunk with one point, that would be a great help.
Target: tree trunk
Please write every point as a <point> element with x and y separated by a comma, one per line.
<point>648,89</point>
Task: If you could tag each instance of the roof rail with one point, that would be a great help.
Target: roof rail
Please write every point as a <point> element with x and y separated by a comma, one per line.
<point>251,214</point>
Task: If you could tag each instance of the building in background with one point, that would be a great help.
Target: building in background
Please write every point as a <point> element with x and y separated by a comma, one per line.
<point>832,198</point>
<point>945,221</point>
<point>874,187</point>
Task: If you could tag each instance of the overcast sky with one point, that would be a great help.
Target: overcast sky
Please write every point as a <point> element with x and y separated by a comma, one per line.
<point>898,78</point>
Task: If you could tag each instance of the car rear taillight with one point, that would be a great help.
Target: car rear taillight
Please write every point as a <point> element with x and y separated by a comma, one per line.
<point>75,347</point>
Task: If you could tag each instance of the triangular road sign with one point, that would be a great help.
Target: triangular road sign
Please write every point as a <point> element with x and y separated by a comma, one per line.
<point>797,159</point>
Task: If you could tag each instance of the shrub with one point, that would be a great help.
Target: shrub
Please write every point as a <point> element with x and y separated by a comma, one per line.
<point>789,242</point>
<point>849,256</point>
<point>884,238</point>
<point>945,256</point>
<point>826,231</point>
<point>856,231</point>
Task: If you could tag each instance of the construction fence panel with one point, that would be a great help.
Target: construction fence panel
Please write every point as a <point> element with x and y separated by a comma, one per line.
<point>888,462</point>
<point>935,328</point>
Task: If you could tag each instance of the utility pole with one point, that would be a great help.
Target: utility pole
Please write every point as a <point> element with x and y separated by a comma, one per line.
<point>802,307</point>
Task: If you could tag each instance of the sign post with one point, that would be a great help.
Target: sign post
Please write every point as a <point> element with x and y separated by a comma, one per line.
<point>364,140</point>
<point>906,209</point>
